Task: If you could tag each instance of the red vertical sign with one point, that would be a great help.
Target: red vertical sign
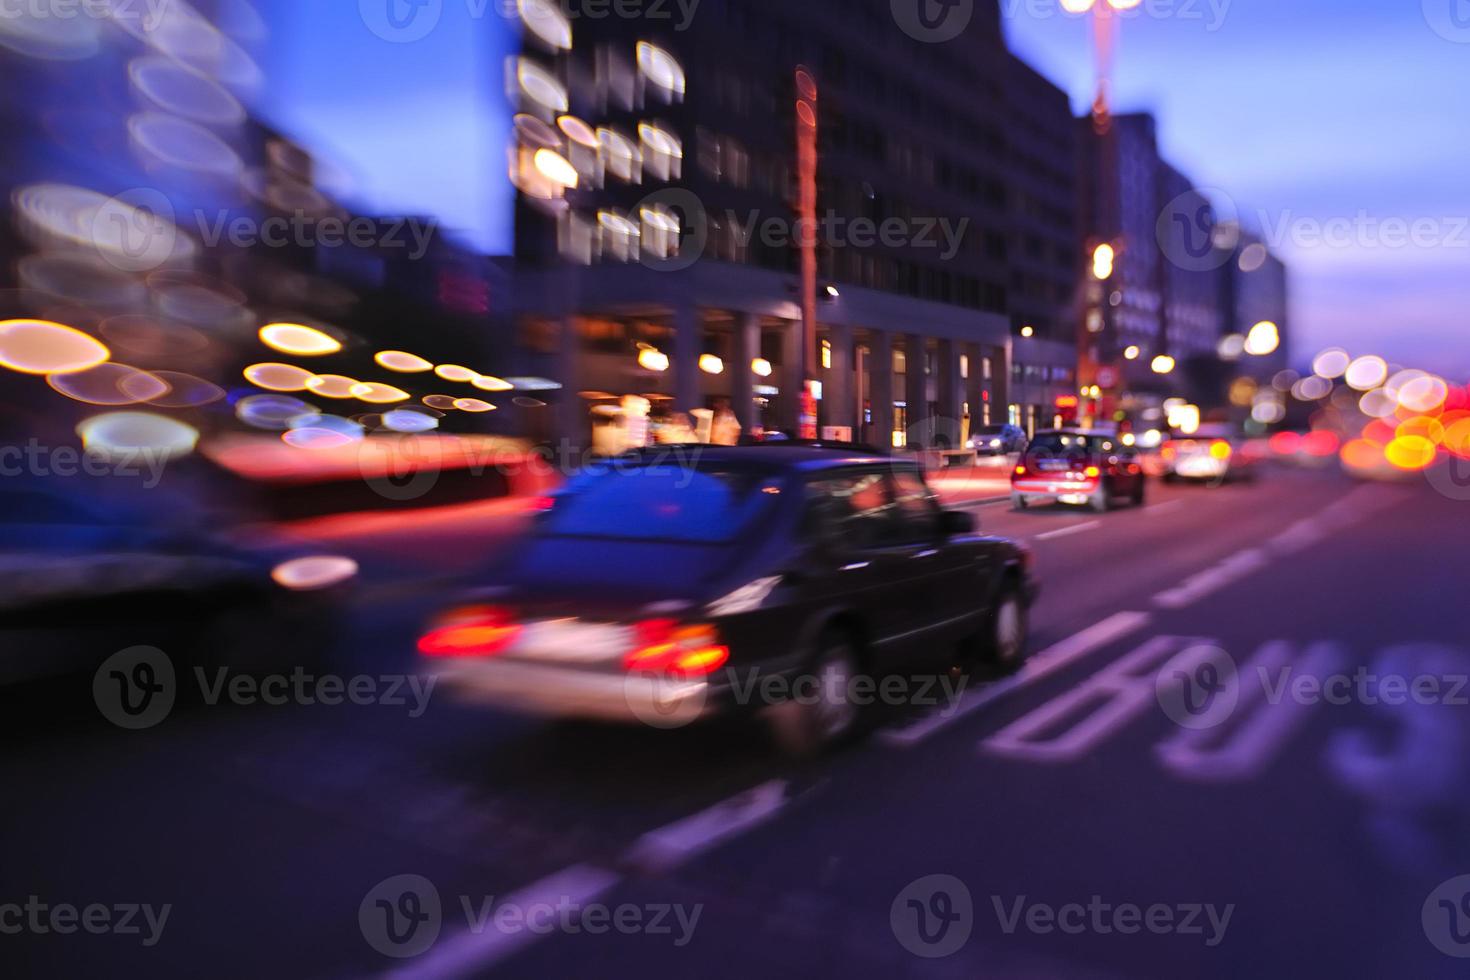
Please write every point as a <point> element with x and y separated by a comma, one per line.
<point>806,207</point>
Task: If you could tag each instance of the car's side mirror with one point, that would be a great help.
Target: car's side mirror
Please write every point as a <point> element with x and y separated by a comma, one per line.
<point>956,522</point>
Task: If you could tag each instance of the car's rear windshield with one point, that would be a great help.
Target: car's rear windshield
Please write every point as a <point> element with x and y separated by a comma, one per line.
<point>1068,444</point>
<point>663,503</point>
<point>990,430</point>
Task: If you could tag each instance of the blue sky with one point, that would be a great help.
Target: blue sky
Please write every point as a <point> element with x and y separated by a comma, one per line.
<point>1305,112</point>
<point>418,128</point>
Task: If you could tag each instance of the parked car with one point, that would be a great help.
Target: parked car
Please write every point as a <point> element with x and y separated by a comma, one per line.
<point>1075,466</point>
<point>1213,453</point>
<point>997,440</point>
<point>657,588</point>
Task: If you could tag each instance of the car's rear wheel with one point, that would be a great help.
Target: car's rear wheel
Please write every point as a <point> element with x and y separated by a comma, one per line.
<point>1100,499</point>
<point>1007,629</point>
<point>1018,502</point>
<point>821,712</point>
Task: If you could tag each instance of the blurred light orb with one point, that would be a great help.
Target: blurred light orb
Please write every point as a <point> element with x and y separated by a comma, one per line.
<point>407,420</point>
<point>1132,352</point>
<point>183,92</point>
<point>323,432</point>
<point>1231,347</point>
<point>273,412</point>
<point>474,406</point>
<point>278,377</point>
<point>1311,388</point>
<point>1410,453</point>
<point>376,393</point>
<point>455,372</point>
<point>545,20</point>
<point>44,347</point>
<point>761,367</point>
<point>314,572</point>
<point>540,87</point>
<point>1361,454</point>
<point>1331,363</point>
<point>1457,435</point>
<point>1377,403</point>
<point>487,382</point>
<point>578,132</point>
<point>299,339</point>
<point>331,385</point>
<point>123,435</point>
<point>1367,372</point>
<point>1264,338</point>
<point>183,145</point>
<point>1163,364</point>
<point>1285,380</point>
<point>660,68</point>
<point>109,383</point>
<point>653,360</point>
<point>402,362</point>
<point>1102,261</point>
<point>556,168</point>
<point>1422,426</point>
<point>1252,257</point>
<point>1268,412</point>
<point>711,364</point>
<point>185,390</point>
<point>1077,6</point>
<point>1423,394</point>
<point>442,402</point>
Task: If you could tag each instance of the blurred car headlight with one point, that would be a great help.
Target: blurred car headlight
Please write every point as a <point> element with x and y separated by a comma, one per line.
<point>314,572</point>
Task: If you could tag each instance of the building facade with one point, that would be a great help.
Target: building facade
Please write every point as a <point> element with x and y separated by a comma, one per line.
<point>657,241</point>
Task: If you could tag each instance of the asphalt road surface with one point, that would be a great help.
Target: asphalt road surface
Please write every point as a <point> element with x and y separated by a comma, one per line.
<point>1225,759</point>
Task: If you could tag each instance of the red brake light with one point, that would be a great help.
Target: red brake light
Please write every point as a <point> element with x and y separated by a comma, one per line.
<point>474,631</point>
<point>665,646</point>
<point>1220,449</point>
<point>1092,472</point>
<point>1020,471</point>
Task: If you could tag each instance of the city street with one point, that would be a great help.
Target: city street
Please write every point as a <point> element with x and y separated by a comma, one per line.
<point>1286,835</point>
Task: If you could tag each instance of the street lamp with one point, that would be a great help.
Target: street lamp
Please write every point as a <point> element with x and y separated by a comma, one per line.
<point>1102,262</point>
<point>1163,364</point>
<point>1263,339</point>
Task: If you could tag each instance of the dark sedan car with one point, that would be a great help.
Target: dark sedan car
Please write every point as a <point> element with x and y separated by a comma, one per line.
<point>783,579</point>
<point>1075,466</point>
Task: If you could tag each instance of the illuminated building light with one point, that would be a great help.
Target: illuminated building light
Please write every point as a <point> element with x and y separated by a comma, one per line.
<point>44,347</point>
<point>298,339</point>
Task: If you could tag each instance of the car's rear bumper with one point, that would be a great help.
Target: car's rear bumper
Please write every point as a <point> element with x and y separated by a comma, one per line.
<point>1200,468</point>
<point>1075,491</point>
<point>556,691</point>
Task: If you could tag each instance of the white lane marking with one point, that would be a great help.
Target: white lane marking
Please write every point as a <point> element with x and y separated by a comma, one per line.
<point>1212,579</point>
<point>1071,725</point>
<point>1166,505</point>
<point>1043,664</point>
<point>666,847</point>
<point>1062,532</point>
<point>1242,748</point>
<point>488,942</point>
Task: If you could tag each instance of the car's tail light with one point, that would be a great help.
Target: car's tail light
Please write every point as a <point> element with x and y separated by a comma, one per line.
<point>1020,471</point>
<point>1092,472</point>
<point>1220,449</point>
<point>473,631</point>
<point>666,646</point>
<point>1168,450</point>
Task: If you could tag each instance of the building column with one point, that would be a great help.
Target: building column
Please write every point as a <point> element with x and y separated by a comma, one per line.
<point>838,404</point>
<point>789,413</point>
<point>916,393</point>
<point>747,348</point>
<point>880,389</point>
<point>571,419</point>
<point>688,346</point>
<point>975,385</point>
<point>949,393</point>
